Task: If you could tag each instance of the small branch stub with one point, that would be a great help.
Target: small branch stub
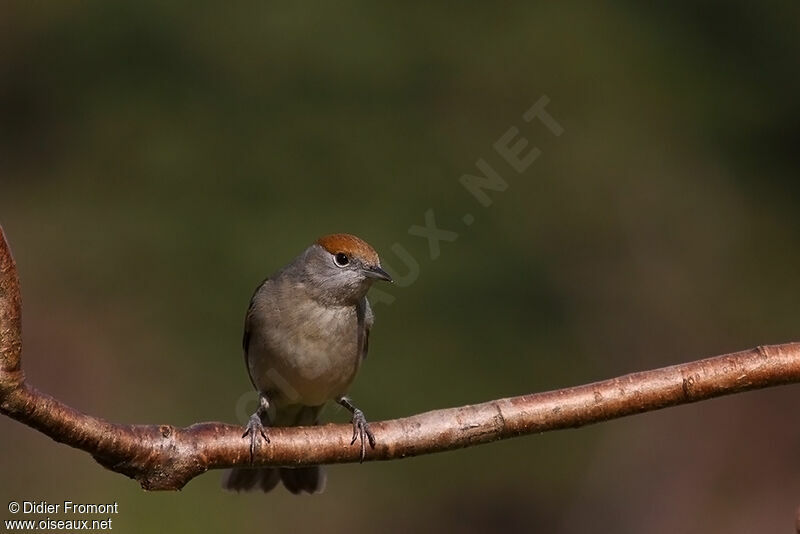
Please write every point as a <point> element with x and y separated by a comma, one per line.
<point>10,321</point>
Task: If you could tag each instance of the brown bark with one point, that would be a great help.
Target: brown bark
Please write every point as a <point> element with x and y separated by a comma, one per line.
<point>162,457</point>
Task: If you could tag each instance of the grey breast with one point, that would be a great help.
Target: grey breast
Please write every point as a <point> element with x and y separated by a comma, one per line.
<point>301,351</point>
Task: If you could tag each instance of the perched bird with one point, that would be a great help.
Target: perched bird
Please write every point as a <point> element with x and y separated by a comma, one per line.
<point>305,335</point>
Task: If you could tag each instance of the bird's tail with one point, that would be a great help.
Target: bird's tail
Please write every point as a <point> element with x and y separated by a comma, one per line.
<point>298,480</point>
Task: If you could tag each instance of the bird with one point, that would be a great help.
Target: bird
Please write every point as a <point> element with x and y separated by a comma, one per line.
<point>306,334</point>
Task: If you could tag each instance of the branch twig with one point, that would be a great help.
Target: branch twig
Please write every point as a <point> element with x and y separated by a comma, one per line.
<point>166,458</point>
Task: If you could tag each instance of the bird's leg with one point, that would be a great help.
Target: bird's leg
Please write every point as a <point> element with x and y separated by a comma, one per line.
<point>255,426</point>
<point>360,427</point>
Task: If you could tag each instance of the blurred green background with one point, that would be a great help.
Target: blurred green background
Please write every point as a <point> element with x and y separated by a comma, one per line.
<point>157,160</point>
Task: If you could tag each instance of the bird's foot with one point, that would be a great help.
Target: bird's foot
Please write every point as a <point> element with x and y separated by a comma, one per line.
<point>361,431</point>
<point>254,429</point>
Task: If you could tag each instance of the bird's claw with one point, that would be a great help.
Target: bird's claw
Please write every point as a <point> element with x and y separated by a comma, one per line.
<point>254,429</point>
<point>361,431</point>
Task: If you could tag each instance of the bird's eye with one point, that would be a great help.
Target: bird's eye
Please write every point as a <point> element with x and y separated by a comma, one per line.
<point>341,259</point>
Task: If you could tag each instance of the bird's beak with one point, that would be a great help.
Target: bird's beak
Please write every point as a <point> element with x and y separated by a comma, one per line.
<point>377,273</point>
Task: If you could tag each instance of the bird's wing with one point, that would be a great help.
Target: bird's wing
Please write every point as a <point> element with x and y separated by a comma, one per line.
<point>365,321</point>
<point>248,329</point>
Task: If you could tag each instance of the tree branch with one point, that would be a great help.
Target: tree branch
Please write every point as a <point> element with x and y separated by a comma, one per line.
<point>167,458</point>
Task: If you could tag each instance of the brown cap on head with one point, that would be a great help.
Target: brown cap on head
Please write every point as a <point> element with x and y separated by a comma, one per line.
<point>350,245</point>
